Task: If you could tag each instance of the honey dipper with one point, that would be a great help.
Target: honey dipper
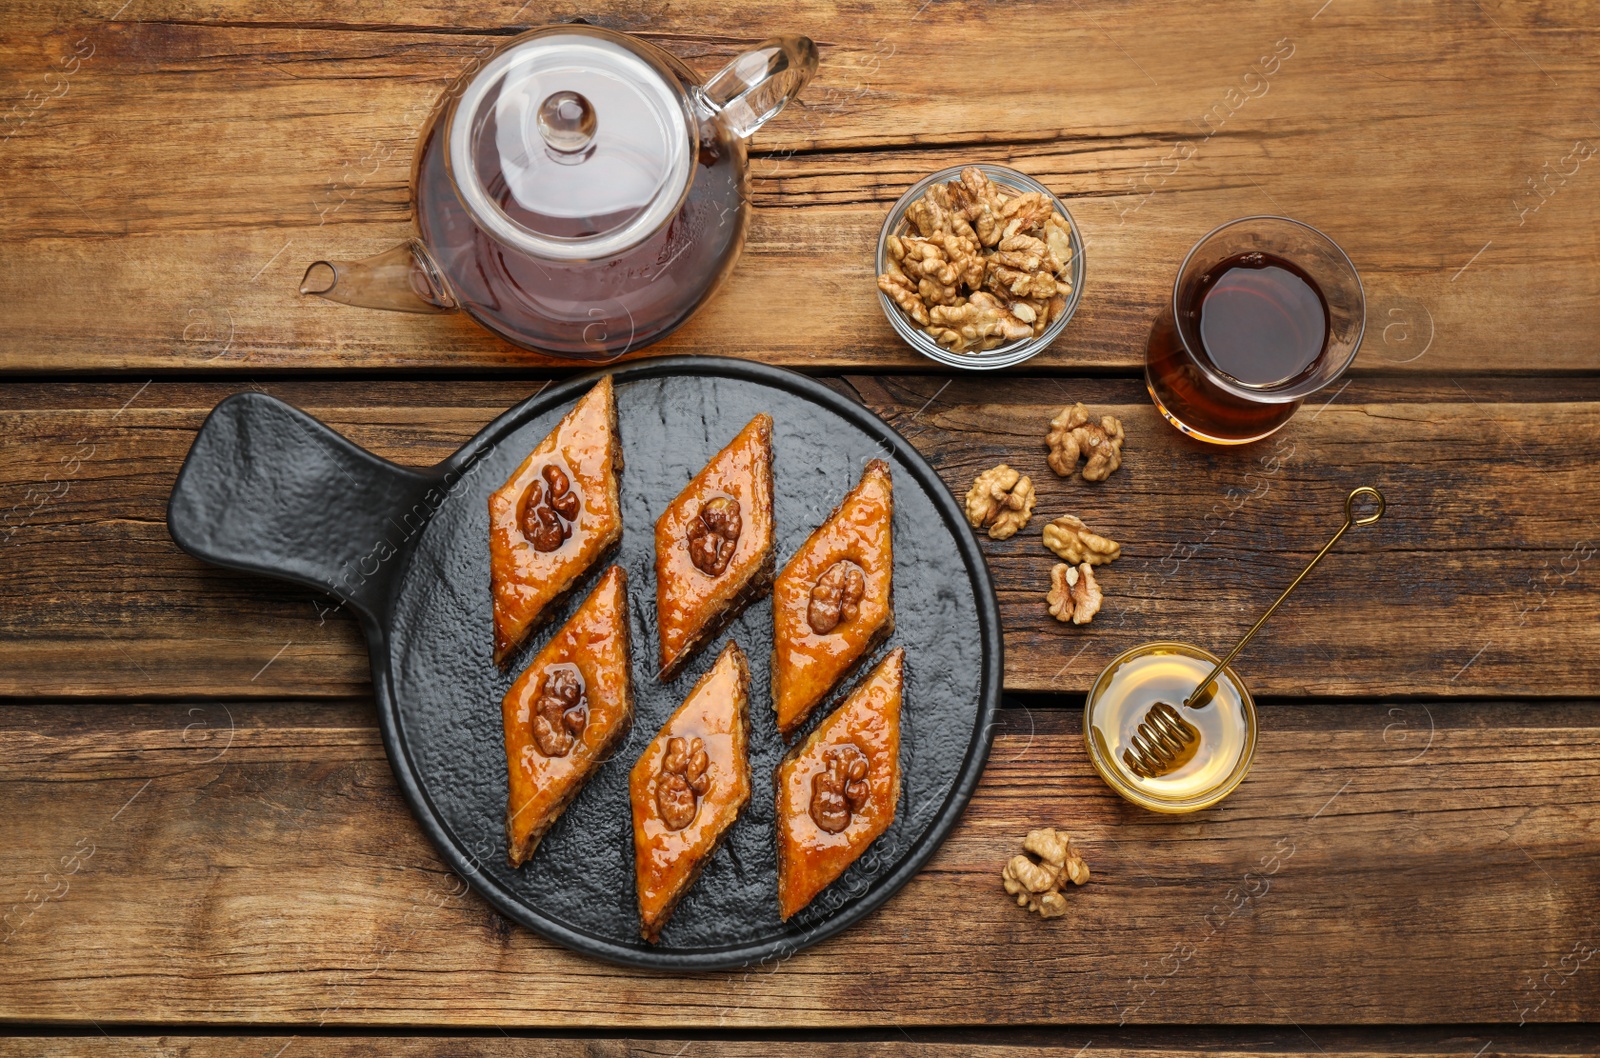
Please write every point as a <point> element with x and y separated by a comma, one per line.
<point>1164,736</point>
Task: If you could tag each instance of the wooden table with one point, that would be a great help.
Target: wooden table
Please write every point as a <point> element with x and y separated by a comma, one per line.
<point>201,832</point>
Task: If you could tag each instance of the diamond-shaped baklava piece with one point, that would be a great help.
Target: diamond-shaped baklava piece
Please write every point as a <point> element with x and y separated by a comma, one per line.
<point>714,545</point>
<point>554,518</point>
<point>566,713</point>
<point>833,601</point>
<point>688,787</point>
<point>838,790</point>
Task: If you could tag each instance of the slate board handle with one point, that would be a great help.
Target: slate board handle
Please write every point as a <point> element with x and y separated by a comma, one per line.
<point>266,488</point>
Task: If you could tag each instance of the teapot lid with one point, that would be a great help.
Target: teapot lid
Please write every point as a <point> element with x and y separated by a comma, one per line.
<point>572,143</point>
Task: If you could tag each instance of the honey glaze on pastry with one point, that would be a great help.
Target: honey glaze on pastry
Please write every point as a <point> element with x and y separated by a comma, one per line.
<point>833,602</point>
<point>838,790</point>
<point>688,788</point>
<point>554,517</point>
<point>714,545</point>
<point>566,713</point>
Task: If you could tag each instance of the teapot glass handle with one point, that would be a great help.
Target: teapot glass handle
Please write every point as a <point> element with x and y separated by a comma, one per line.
<point>759,83</point>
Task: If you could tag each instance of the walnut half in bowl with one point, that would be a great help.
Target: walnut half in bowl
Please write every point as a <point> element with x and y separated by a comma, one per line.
<point>979,267</point>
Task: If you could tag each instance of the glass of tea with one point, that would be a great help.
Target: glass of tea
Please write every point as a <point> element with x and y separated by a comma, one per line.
<point>1265,311</point>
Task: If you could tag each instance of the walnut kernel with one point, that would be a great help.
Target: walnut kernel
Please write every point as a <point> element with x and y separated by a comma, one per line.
<point>1056,849</point>
<point>1001,500</point>
<point>1074,542</point>
<point>714,535</point>
<point>1034,886</point>
<point>548,511</point>
<point>1058,237</point>
<point>836,596</point>
<point>981,203</point>
<point>839,790</point>
<point>937,276</point>
<point>1037,884</point>
<point>1025,267</point>
<point>561,712</point>
<point>938,212</point>
<point>982,322</point>
<point>903,292</point>
<point>1072,435</point>
<point>685,778</point>
<point>1074,596</point>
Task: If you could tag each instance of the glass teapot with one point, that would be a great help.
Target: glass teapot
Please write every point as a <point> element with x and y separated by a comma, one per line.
<point>581,193</point>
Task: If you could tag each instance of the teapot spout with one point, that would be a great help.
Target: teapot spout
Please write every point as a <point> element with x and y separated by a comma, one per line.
<point>403,279</point>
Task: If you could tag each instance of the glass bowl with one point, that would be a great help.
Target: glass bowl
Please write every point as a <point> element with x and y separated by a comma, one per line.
<point>1003,355</point>
<point>1169,671</point>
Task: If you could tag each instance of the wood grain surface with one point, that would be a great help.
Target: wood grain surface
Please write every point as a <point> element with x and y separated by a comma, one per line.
<point>1479,580</point>
<point>236,862</point>
<point>202,834</point>
<point>1444,1042</point>
<point>172,167</point>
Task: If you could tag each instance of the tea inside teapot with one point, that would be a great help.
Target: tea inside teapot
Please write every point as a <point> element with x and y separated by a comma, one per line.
<point>582,194</point>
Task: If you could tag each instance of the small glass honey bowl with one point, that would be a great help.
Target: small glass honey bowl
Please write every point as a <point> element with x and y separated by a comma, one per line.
<point>1207,767</point>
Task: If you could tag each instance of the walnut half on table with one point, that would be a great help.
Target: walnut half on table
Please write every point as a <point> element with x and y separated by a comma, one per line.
<point>1074,595</point>
<point>1073,433</point>
<point>1001,500</point>
<point>1037,883</point>
<point>1074,542</point>
<point>980,265</point>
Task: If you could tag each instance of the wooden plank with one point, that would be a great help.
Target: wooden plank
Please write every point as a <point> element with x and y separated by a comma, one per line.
<point>1485,549</point>
<point>234,863</point>
<point>1479,581</point>
<point>1236,1043</point>
<point>159,212</point>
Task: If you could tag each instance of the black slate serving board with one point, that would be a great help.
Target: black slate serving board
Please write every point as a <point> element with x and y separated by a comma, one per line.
<point>268,489</point>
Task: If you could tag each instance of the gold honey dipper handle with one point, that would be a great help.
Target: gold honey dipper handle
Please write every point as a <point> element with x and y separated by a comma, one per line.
<point>1164,736</point>
<point>1350,519</point>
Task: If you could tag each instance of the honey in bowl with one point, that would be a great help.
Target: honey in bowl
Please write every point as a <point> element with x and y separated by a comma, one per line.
<point>1210,766</point>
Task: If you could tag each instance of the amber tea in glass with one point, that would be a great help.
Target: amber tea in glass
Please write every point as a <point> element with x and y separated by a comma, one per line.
<point>1265,311</point>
